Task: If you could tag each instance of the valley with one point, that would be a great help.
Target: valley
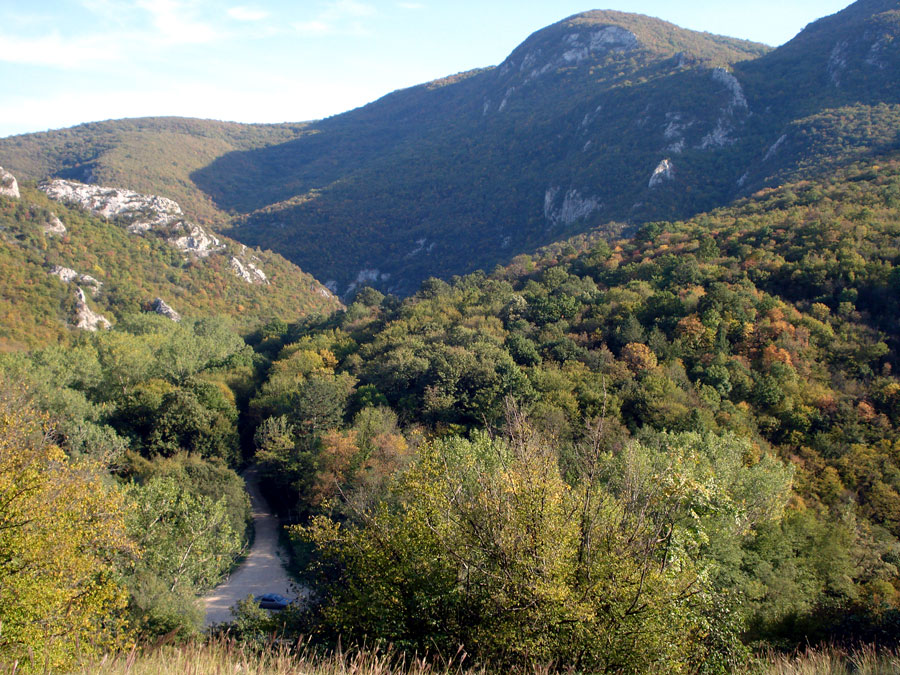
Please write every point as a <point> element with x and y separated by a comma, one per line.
<point>584,362</point>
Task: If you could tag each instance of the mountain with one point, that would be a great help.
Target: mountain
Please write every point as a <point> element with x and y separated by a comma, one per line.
<point>80,257</point>
<point>149,155</point>
<point>603,119</point>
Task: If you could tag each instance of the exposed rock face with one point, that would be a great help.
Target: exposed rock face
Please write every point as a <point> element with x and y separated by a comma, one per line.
<point>569,49</point>
<point>735,109</point>
<point>162,308</point>
<point>9,187</point>
<point>67,275</point>
<point>573,207</point>
<point>363,278</point>
<point>674,131</point>
<point>422,246</point>
<point>738,99</point>
<point>196,240</point>
<point>581,46</point>
<point>54,227</point>
<point>664,171</point>
<point>837,62</point>
<point>248,271</point>
<point>140,213</point>
<point>773,149</point>
<point>85,317</point>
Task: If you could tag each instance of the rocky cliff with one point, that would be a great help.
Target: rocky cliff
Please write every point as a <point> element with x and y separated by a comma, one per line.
<point>9,187</point>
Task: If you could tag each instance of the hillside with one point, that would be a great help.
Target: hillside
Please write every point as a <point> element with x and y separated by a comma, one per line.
<point>62,267</point>
<point>537,462</point>
<point>149,155</point>
<point>604,118</point>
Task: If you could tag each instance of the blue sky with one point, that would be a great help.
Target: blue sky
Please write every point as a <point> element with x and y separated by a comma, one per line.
<point>63,62</point>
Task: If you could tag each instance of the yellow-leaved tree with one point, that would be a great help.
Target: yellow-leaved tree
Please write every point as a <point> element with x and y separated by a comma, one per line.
<point>62,528</point>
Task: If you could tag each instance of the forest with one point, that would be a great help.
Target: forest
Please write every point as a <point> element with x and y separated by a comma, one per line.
<point>664,453</point>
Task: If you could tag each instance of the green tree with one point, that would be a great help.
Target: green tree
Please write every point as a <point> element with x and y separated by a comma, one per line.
<point>482,543</point>
<point>62,531</point>
<point>188,543</point>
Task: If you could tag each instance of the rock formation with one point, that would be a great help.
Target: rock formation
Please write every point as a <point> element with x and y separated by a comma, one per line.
<point>54,227</point>
<point>162,308</point>
<point>67,275</point>
<point>85,317</point>
<point>9,187</point>
<point>139,213</point>
<point>664,171</point>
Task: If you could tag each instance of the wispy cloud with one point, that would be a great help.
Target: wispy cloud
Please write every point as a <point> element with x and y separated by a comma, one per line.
<point>176,22</point>
<point>119,34</point>
<point>313,27</point>
<point>340,9</point>
<point>56,51</point>
<point>247,14</point>
<point>411,5</point>
<point>338,17</point>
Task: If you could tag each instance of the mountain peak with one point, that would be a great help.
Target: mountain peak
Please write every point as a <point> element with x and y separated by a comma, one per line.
<point>596,34</point>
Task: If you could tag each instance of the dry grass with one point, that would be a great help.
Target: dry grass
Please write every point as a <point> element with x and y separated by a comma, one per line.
<point>227,657</point>
<point>834,661</point>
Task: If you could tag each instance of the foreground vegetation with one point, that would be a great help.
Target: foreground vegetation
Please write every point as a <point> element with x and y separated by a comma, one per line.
<point>230,657</point>
<point>659,454</point>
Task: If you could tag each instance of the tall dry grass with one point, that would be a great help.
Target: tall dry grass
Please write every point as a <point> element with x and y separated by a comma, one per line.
<point>225,656</point>
<point>866,660</point>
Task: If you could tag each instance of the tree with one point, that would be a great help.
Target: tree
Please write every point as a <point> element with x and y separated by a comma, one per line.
<point>481,543</point>
<point>61,531</point>
<point>188,544</point>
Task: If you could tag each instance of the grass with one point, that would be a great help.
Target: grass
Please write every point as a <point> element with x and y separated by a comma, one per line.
<point>221,656</point>
<point>867,660</point>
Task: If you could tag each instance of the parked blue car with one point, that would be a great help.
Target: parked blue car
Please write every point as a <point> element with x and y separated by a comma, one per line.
<point>272,601</point>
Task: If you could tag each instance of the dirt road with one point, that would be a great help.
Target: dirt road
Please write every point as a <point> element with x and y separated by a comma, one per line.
<point>262,571</point>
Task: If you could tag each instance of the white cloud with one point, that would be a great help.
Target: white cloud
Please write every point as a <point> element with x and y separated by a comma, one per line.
<point>338,17</point>
<point>175,23</point>
<point>411,5</point>
<point>247,14</point>
<point>340,9</point>
<point>56,51</point>
<point>313,27</point>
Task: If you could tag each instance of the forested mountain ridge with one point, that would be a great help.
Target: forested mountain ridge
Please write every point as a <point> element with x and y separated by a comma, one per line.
<point>64,267</point>
<point>603,117</point>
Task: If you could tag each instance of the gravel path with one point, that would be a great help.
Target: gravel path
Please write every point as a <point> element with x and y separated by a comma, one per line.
<point>262,571</point>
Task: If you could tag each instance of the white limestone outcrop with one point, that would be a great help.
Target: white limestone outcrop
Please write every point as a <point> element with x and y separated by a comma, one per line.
<point>140,214</point>
<point>9,187</point>
<point>162,308</point>
<point>67,275</point>
<point>664,171</point>
<point>85,317</point>
<point>570,209</point>
<point>573,48</point>
<point>773,149</point>
<point>248,271</point>
<point>738,98</point>
<point>54,227</point>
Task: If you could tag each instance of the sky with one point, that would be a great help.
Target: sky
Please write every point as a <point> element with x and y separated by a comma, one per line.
<point>64,62</point>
